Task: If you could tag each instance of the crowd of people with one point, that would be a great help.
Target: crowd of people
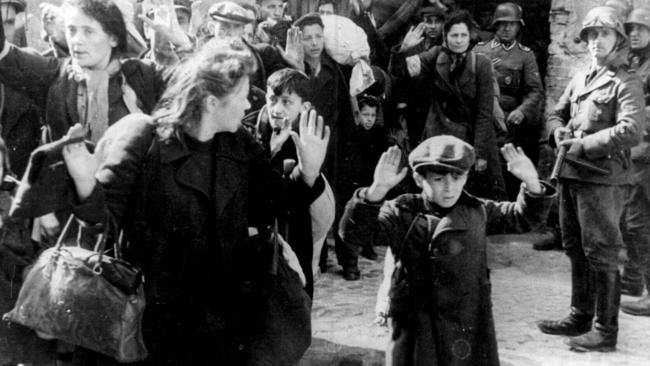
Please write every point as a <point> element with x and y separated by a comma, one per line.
<point>207,124</point>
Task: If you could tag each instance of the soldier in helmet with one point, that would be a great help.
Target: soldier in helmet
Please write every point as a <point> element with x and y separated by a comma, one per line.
<point>598,118</point>
<point>522,92</point>
<point>636,231</point>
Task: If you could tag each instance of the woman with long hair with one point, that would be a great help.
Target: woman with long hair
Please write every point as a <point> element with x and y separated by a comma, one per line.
<point>192,189</point>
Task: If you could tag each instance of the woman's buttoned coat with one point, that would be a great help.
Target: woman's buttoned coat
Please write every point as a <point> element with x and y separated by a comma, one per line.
<point>194,240</point>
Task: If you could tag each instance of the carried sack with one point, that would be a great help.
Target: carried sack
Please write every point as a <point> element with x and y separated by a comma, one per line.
<point>285,332</point>
<point>85,298</point>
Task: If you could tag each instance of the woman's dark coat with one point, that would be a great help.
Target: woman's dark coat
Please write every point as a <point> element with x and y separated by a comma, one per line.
<point>193,241</point>
<point>445,316</point>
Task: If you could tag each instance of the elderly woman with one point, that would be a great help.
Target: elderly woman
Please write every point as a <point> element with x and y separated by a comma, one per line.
<point>192,188</point>
<point>598,118</point>
<point>462,97</point>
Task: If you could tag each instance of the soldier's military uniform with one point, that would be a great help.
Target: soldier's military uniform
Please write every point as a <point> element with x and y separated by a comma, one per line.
<point>520,87</point>
<point>605,105</point>
<point>636,231</point>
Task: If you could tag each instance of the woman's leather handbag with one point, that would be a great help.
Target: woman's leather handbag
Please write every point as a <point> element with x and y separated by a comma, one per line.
<point>84,297</point>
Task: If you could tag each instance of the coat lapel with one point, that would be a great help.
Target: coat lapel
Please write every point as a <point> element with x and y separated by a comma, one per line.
<point>467,76</point>
<point>230,169</point>
<point>443,63</point>
<point>603,77</point>
<point>442,67</point>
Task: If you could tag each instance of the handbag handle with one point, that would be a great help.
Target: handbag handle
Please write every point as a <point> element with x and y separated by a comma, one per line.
<point>100,245</point>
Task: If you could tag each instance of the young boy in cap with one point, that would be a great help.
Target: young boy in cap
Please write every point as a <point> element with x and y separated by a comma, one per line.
<point>440,307</point>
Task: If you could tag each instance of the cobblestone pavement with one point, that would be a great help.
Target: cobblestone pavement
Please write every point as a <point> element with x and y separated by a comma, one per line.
<point>527,286</point>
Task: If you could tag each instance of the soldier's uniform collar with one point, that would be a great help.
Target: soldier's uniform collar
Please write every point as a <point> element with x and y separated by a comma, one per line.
<point>496,43</point>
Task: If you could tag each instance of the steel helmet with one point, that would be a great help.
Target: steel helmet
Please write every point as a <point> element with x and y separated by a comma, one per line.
<point>20,5</point>
<point>602,16</point>
<point>507,12</point>
<point>622,7</point>
<point>639,16</point>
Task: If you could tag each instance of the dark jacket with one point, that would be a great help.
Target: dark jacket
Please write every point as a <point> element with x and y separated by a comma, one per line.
<point>194,242</point>
<point>21,127</point>
<point>46,81</point>
<point>445,316</point>
<point>367,146</point>
<point>330,96</point>
<point>609,110</point>
<point>461,107</point>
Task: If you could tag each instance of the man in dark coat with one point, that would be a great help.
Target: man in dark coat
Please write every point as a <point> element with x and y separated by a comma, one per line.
<point>330,91</point>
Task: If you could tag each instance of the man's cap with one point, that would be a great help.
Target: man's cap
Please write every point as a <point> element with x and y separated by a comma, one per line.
<point>20,5</point>
<point>432,10</point>
<point>229,12</point>
<point>444,154</point>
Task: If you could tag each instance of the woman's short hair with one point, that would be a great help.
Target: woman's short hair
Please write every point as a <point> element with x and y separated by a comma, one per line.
<point>215,70</point>
<point>108,15</point>
<point>458,17</point>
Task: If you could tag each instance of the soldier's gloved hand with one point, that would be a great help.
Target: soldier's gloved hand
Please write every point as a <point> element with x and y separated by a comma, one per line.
<point>515,117</point>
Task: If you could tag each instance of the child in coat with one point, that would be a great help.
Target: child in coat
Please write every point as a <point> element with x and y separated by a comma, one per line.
<point>439,297</point>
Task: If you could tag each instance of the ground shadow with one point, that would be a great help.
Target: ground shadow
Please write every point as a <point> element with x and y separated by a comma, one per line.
<point>326,353</point>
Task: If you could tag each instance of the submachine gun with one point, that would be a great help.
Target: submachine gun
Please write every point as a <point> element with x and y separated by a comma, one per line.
<point>580,163</point>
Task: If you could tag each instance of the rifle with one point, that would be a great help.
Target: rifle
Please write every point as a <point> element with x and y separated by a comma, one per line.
<point>581,163</point>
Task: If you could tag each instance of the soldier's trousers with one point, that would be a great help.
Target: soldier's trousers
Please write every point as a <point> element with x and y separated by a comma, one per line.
<point>590,217</point>
<point>635,226</point>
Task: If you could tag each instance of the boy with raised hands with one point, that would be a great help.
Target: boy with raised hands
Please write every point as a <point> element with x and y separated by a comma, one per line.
<point>439,297</point>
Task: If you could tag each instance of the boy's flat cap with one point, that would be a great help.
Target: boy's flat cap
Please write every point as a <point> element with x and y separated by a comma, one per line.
<point>443,153</point>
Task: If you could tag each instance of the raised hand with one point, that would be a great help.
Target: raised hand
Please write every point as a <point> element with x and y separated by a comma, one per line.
<point>294,54</point>
<point>164,23</point>
<point>311,145</point>
<point>81,164</point>
<point>387,174</point>
<point>413,37</point>
<point>521,167</point>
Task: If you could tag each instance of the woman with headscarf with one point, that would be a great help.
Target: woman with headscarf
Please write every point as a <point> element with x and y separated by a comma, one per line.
<point>462,97</point>
<point>94,87</point>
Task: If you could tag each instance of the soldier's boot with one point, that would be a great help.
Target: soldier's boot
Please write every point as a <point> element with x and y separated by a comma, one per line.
<point>641,306</point>
<point>583,298</point>
<point>631,281</point>
<point>602,337</point>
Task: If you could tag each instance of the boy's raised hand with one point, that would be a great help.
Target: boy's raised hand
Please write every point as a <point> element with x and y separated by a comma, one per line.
<point>521,167</point>
<point>294,53</point>
<point>311,145</point>
<point>387,174</point>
